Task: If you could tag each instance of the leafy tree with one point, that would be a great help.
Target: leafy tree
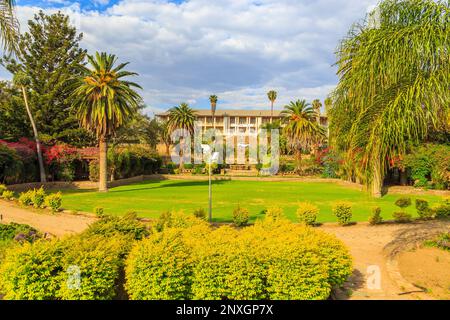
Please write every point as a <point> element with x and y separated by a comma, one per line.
<point>9,26</point>
<point>394,71</point>
<point>302,129</point>
<point>104,102</point>
<point>49,55</point>
<point>13,120</point>
<point>316,104</point>
<point>272,95</point>
<point>328,104</point>
<point>182,117</point>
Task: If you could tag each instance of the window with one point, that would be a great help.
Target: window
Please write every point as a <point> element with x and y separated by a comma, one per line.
<point>232,120</point>
<point>242,120</point>
<point>252,120</point>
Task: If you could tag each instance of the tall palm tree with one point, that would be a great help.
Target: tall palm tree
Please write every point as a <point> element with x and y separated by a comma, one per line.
<point>182,117</point>
<point>316,105</point>
<point>213,101</point>
<point>272,95</point>
<point>301,129</point>
<point>164,135</point>
<point>393,83</point>
<point>22,81</point>
<point>104,102</point>
<point>9,26</point>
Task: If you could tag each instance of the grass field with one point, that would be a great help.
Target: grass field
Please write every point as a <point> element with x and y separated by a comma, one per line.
<point>151,198</point>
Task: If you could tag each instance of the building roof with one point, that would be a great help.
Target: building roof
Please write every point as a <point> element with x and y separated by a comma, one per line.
<point>232,113</point>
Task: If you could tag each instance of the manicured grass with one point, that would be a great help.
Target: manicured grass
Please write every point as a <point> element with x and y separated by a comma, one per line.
<point>151,198</point>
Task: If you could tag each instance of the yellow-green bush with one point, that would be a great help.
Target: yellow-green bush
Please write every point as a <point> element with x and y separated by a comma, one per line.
<point>273,259</point>
<point>307,213</point>
<point>274,213</point>
<point>8,195</point>
<point>40,271</point>
<point>53,201</point>
<point>240,216</point>
<point>160,267</point>
<point>343,212</point>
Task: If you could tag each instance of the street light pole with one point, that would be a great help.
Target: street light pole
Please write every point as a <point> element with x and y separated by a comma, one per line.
<point>210,193</point>
<point>211,157</point>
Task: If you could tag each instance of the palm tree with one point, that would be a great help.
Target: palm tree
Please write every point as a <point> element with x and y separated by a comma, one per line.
<point>272,95</point>
<point>328,104</point>
<point>104,102</point>
<point>316,105</point>
<point>392,88</point>
<point>213,101</point>
<point>9,26</point>
<point>164,134</point>
<point>22,81</point>
<point>301,129</point>
<point>182,117</point>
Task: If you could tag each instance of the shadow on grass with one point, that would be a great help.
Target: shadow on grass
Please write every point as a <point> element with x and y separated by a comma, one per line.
<point>152,186</point>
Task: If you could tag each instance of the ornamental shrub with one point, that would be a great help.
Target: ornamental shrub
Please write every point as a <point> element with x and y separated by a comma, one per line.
<point>376,218</point>
<point>160,267</point>
<point>2,188</point>
<point>240,216</point>
<point>110,226</point>
<point>200,213</point>
<point>423,209</point>
<point>307,213</point>
<point>442,210</point>
<point>25,198</point>
<point>99,212</point>
<point>402,217</point>
<point>38,197</point>
<point>343,212</point>
<point>8,195</point>
<point>274,213</point>
<point>54,201</point>
<point>403,202</point>
<point>12,230</point>
<point>272,259</point>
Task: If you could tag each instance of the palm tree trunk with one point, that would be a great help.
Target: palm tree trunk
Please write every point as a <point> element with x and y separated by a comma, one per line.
<point>377,180</point>
<point>103,163</point>
<point>36,137</point>
<point>181,154</point>
<point>298,155</point>
<point>271,111</point>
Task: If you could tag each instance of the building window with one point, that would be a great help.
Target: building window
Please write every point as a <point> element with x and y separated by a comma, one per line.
<point>242,120</point>
<point>253,120</point>
<point>209,120</point>
<point>232,120</point>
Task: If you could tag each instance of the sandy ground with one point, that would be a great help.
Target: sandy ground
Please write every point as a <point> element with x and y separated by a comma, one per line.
<point>56,224</point>
<point>428,268</point>
<point>375,249</point>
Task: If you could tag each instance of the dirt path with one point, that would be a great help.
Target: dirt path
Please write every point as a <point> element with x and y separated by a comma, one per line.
<point>377,247</point>
<point>56,224</point>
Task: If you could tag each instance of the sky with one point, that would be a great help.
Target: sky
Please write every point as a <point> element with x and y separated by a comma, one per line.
<point>184,51</point>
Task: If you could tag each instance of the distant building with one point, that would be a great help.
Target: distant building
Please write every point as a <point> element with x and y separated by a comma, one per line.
<point>237,121</point>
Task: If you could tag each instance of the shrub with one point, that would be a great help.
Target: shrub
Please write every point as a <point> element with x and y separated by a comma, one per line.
<point>98,261</point>
<point>8,195</point>
<point>376,218</point>
<point>442,211</point>
<point>343,212</point>
<point>31,271</point>
<point>240,216</point>
<point>41,271</point>
<point>25,198</point>
<point>307,213</point>
<point>54,201</point>
<point>128,225</point>
<point>160,267</point>
<point>99,212</point>
<point>13,231</point>
<point>38,197</point>
<point>423,209</point>
<point>2,188</point>
<point>403,202</point>
<point>94,171</point>
<point>274,213</point>
<point>200,213</point>
<point>402,217</point>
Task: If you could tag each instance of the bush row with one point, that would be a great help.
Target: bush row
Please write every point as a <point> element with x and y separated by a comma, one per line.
<point>38,198</point>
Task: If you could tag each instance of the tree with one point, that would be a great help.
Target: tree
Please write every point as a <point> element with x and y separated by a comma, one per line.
<point>164,135</point>
<point>328,104</point>
<point>182,117</point>
<point>13,119</point>
<point>213,101</point>
<point>9,26</point>
<point>272,95</point>
<point>104,102</point>
<point>316,105</point>
<point>394,71</point>
<point>50,54</point>
<point>301,128</point>
<point>22,81</point>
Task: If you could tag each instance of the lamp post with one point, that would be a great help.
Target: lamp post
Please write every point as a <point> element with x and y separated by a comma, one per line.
<point>210,158</point>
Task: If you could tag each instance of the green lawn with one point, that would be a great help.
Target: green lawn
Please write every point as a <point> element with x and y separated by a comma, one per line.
<point>151,198</point>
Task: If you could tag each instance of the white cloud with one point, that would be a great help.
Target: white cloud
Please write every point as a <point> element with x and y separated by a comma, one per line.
<point>237,49</point>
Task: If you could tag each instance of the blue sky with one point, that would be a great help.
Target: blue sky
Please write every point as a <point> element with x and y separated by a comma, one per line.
<point>237,49</point>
